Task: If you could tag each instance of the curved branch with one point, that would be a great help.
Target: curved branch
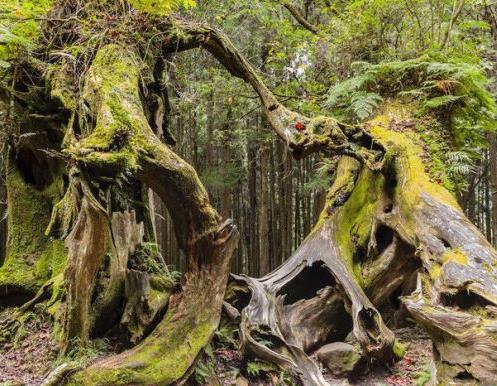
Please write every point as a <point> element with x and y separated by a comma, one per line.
<point>302,134</point>
<point>300,18</point>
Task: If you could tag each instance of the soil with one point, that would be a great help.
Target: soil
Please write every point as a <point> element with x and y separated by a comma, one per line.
<point>413,370</point>
<point>27,362</point>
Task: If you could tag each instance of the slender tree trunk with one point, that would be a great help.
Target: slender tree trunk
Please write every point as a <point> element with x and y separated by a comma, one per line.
<point>263,213</point>
<point>492,172</point>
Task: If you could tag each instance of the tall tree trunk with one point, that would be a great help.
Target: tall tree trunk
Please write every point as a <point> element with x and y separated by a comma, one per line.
<point>263,213</point>
<point>492,172</point>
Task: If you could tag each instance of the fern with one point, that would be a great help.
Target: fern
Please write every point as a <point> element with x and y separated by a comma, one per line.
<point>18,27</point>
<point>364,103</point>
<point>321,178</point>
<point>205,372</point>
<point>460,164</point>
<point>441,101</point>
<point>257,368</point>
<point>458,89</point>
<point>161,7</point>
<point>225,334</point>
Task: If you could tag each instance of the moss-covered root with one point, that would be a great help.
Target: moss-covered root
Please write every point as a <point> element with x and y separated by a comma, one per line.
<point>167,354</point>
<point>122,143</point>
<point>32,258</point>
<point>325,265</point>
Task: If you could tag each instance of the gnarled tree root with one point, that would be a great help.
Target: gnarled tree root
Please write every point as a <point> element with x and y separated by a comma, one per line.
<point>193,315</point>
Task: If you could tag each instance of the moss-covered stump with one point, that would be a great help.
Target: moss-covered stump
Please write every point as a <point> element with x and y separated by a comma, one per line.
<point>122,142</point>
<point>378,229</point>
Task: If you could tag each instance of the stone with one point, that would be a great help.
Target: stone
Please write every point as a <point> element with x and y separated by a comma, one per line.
<point>340,358</point>
<point>241,381</point>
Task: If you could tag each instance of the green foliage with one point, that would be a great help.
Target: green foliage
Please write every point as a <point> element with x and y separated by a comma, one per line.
<point>19,26</point>
<point>80,355</point>
<point>460,164</point>
<point>205,369</point>
<point>161,7</point>
<point>258,368</point>
<point>147,258</point>
<point>451,88</point>
<point>423,376</point>
<point>362,103</point>
<point>322,176</point>
<point>225,334</point>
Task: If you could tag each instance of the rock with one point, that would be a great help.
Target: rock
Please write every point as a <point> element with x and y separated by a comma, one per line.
<point>241,381</point>
<point>340,358</point>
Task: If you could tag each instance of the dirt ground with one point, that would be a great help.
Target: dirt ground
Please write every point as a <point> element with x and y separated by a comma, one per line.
<point>413,370</point>
<point>27,362</point>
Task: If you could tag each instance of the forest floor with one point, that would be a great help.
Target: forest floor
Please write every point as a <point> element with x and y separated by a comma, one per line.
<point>27,361</point>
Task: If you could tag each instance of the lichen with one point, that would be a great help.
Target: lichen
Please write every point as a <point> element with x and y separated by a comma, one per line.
<point>405,152</point>
<point>455,256</point>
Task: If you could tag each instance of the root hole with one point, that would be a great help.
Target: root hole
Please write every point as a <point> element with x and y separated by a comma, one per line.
<point>445,243</point>
<point>465,376</point>
<point>384,237</point>
<point>307,283</point>
<point>388,208</point>
<point>368,319</point>
<point>33,172</point>
<point>464,300</point>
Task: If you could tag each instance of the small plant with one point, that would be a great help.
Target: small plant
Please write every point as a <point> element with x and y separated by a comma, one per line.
<point>364,103</point>
<point>423,376</point>
<point>80,355</point>
<point>205,372</point>
<point>260,333</point>
<point>147,258</point>
<point>460,164</point>
<point>225,334</point>
<point>258,368</point>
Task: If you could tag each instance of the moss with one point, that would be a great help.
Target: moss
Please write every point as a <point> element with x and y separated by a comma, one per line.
<point>399,349</point>
<point>112,93</point>
<point>356,219</point>
<point>160,363</point>
<point>455,256</point>
<point>32,258</point>
<point>406,146</point>
<point>61,86</point>
<point>344,182</point>
<point>404,150</point>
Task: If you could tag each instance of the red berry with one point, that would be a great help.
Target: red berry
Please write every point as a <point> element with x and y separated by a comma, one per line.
<point>300,126</point>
